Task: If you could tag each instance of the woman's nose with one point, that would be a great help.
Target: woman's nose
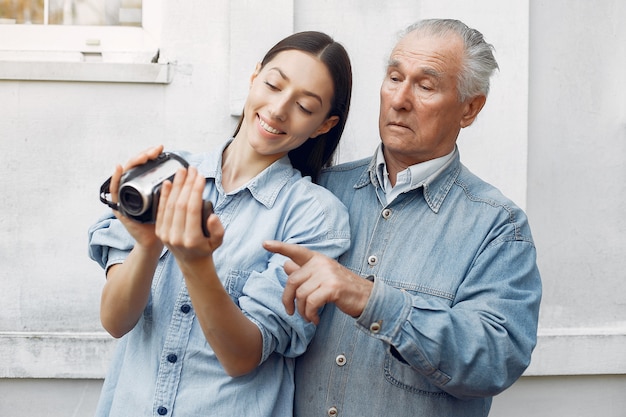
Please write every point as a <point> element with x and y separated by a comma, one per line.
<point>278,110</point>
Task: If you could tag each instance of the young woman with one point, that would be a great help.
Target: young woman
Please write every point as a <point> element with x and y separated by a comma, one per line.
<point>202,326</point>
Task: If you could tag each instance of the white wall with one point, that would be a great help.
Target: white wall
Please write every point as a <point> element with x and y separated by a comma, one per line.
<point>576,181</point>
<point>551,137</point>
<point>577,169</point>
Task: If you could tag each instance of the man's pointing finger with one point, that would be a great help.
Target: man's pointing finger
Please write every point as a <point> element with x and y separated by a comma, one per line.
<point>298,254</point>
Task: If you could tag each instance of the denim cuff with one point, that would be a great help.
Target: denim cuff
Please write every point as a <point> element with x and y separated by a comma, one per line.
<point>386,310</point>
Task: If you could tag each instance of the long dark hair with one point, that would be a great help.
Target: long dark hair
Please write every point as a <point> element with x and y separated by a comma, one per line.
<point>313,155</point>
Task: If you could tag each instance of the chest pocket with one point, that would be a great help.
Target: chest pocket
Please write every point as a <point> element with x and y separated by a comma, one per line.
<point>402,375</point>
<point>396,370</point>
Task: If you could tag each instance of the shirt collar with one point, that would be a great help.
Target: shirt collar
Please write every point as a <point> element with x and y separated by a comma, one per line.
<point>265,187</point>
<point>412,177</point>
<point>436,185</point>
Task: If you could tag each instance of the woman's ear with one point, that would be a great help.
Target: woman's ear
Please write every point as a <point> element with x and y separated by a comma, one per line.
<point>256,72</point>
<point>326,126</point>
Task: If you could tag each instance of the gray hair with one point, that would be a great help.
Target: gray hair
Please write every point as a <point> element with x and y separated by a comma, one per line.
<point>479,63</point>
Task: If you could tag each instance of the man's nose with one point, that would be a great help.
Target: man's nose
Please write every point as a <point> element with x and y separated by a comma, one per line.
<point>402,97</point>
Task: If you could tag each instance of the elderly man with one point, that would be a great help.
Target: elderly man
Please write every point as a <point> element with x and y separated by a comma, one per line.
<point>434,308</point>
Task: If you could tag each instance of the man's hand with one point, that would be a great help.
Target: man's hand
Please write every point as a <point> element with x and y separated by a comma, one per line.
<point>315,279</point>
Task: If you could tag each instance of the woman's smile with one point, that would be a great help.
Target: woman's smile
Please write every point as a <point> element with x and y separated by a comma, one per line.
<point>265,126</point>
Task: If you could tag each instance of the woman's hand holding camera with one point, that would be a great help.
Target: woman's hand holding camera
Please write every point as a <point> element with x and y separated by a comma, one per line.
<point>183,223</point>
<point>179,218</point>
<point>143,233</point>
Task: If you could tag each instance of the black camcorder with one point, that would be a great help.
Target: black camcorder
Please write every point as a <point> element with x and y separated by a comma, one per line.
<point>140,189</point>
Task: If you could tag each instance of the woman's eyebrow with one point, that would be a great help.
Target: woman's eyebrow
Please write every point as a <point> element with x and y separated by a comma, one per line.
<point>305,92</point>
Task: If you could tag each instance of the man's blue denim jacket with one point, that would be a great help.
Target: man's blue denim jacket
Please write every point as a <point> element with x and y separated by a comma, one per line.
<point>452,319</point>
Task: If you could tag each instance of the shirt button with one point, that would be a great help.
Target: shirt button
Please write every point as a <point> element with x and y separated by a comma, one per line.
<point>171,358</point>
<point>372,260</point>
<point>370,278</point>
<point>162,411</point>
<point>386,213</point>
<point>341,360</point>
<point>375,327</point>
<point>333,412</point>
<point>185,308</point>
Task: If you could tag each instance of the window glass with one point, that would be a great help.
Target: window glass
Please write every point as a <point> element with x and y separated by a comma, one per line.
<point>71,12</point>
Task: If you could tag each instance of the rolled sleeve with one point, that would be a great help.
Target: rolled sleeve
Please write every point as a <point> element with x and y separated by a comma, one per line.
<point>109,242</point>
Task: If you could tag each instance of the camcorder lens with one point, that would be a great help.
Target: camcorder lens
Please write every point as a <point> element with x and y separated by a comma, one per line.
<point>132,201</point>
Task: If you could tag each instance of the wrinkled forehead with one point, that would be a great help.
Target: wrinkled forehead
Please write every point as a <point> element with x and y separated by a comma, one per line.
<point>442,52</point>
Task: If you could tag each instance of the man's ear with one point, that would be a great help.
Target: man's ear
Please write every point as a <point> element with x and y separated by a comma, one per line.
<point>326,126</point>
<point>473,106</point>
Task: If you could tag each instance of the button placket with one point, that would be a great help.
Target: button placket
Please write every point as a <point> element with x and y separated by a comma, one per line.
<point>171,367</point>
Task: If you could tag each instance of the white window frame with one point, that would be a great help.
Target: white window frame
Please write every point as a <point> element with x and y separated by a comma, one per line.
<point>86,53</point>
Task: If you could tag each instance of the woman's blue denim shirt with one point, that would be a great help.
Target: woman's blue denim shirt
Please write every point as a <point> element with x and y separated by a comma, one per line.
<point>164,366</point>
<point>452,319</point>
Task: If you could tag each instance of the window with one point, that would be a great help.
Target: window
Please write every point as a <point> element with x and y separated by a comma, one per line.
<point>82,40</point>
<point>71,12</point>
